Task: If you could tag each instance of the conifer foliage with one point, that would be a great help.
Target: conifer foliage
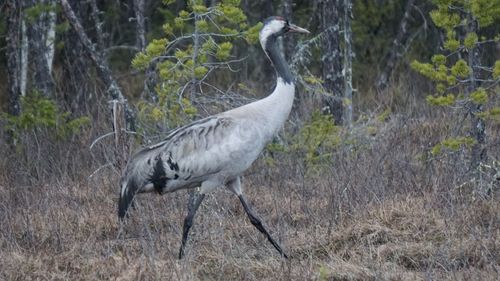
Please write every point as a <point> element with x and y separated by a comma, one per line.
<point>195,43</point>
<point>462,79</point>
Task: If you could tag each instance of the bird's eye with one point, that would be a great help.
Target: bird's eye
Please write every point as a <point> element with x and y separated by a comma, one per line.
<point>286,28</point>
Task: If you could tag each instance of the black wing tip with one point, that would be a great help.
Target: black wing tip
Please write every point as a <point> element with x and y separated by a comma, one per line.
<point>125,201</point>
<point>122,209</point>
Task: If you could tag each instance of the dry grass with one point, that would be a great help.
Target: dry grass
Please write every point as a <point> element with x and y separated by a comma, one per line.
<point>378,213</point>
<point>72,234</point>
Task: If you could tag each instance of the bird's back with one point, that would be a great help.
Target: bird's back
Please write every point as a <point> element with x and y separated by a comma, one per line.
<point>216,148</point>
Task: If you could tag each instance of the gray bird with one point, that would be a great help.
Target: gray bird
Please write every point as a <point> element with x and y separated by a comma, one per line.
<point>213,152</point>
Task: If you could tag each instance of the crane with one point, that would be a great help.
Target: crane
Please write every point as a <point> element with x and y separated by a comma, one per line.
<point>213,152</point>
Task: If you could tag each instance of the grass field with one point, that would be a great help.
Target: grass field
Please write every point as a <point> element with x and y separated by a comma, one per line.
<point>379,210</point>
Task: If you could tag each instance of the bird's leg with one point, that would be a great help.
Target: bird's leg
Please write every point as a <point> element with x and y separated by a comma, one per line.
<point>258,224</point>
<point>195,199</point>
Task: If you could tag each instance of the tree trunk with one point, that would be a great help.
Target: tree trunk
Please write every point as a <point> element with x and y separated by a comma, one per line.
<point>94,13</point>
<point>331,59</point>
<point>121,145</point>
<point>25,50</point>
<point>13,40</point>
<point>77,91</point>
<point>102,67</point>
<point>140,31</point>
<point>288,41</point>
<point>478,127</point>
<point>348,63</point>
<point>395,52</point>
<point>267,9</point>
<point>38,30</point>
<point>50,36</point>
<point>195,83</point>
<point>151,78</point>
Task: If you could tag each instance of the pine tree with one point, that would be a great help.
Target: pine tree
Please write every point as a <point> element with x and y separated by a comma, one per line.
<point>198,41</point>
<point>461,79</point>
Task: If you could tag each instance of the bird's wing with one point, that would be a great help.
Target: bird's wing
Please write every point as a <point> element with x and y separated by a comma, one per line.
<point>200,148</point>
<point>204,147</point>
<point>189,155</point>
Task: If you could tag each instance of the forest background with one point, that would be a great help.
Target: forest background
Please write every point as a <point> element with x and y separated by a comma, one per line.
<point>388,168</point>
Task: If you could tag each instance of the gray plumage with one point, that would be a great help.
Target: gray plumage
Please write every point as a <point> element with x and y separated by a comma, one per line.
<point>213,152</point>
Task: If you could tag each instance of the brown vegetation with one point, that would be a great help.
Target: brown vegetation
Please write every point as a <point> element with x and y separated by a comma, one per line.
<point>383,209</point>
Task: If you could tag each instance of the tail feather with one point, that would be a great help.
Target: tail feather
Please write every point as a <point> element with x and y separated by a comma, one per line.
<point>141,175</point>
<point>127,193</point>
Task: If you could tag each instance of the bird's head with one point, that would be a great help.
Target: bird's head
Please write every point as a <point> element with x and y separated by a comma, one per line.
<point>275,27</point>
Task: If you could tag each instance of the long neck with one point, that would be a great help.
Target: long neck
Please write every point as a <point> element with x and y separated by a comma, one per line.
<point>277,59</point>
<point>275,108</point>
<point>270,113</point>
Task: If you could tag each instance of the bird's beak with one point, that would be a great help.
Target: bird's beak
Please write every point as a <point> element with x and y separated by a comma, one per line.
<point>294,28</point>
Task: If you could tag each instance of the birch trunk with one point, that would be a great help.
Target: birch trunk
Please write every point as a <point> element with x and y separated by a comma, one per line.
<point>43,81</point>
<point>50,37</point>
<point>24,57</point>
<point>347,63</point>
